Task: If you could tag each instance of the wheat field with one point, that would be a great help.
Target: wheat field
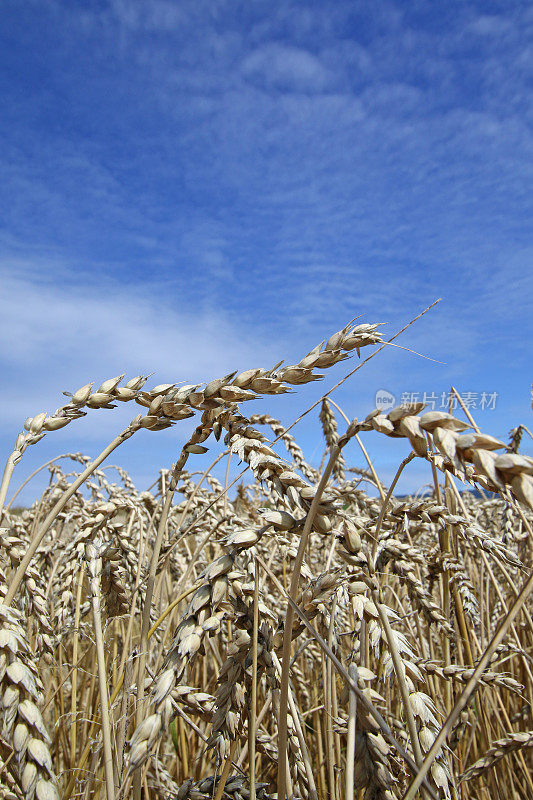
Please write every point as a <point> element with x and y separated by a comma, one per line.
<point>294,632</point>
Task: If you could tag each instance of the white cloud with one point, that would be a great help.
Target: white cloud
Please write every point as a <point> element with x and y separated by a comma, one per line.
<point>150,15</point>
<point>487,25</point>
<point>277,66</point>
<point>59,332</point>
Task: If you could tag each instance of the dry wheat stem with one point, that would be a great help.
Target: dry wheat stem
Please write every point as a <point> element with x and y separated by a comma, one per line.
<point>253,707</point>
<point>289,618</point>
<point>350,739</point>
<point>94,566</point>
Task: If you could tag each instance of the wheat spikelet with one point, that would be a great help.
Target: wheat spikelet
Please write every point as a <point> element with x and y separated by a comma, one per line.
<point>498,750</point>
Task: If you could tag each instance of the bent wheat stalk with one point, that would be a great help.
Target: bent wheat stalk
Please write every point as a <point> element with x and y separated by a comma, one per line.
<point>134,426</point>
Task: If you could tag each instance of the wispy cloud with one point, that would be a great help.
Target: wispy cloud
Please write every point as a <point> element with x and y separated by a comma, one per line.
<point>62,331</point>
<point>288,69</point>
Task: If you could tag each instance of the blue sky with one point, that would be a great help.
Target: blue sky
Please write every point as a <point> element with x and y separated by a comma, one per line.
<point>194,187</point>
